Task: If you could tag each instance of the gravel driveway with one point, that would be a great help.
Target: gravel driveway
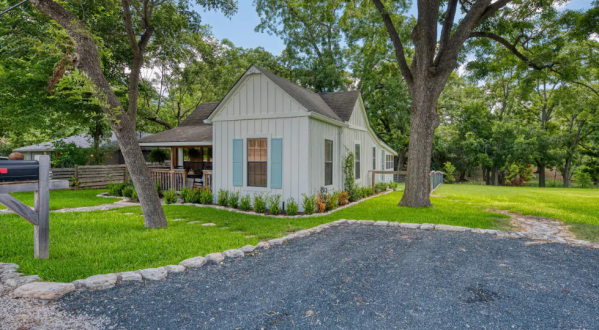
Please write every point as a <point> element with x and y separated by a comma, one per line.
<point>366,277</point>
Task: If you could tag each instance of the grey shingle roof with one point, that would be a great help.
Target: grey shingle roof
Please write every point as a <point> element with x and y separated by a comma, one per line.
<point>192,129</point>
<point>341,102</point>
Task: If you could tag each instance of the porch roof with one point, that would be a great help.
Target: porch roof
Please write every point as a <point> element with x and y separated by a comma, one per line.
<point>192,131</point>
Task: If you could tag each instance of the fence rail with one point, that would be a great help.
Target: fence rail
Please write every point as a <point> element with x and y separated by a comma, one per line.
<point>93,176</point>
<point>436,180</point>
<point>169,179</point>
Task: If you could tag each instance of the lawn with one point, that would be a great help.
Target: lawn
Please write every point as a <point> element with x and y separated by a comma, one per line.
<point>575,206</point>
<point>88,243</point>
<point>60,199</point>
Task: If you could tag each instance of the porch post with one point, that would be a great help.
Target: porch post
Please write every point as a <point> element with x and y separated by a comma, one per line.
<point>180,157</point>
<point>173,157</point>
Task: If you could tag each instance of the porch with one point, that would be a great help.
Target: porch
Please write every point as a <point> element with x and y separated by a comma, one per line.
<point>189,166</point>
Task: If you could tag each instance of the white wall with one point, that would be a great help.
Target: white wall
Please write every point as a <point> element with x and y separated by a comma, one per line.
<point>259,108</point>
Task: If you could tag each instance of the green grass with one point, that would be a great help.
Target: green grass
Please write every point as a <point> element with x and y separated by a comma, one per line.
<point>61,199</point>
<point>575,206</point>
<point>88,243</point>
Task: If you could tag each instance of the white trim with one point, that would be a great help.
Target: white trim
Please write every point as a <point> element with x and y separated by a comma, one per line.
<point>370,130</point>
<point>326,119</point>
<point>359,143</point>
<point>175,144</point>
<point>260,116</point>
<point>245,137</point>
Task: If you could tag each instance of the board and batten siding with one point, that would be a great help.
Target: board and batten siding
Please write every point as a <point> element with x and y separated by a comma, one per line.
<point>242,116</point>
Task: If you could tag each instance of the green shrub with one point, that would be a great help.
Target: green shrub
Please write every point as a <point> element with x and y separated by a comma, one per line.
<point>223,197</point>
<point>518,174</point>
<point>331,201</point>
<point>367,191</point>
<point>274,204</point>
<point>206,196</point>
<point>260,202</point>
<point>380,187</point>
<point>116,189</point>
<point>134,195</point>
<point>554,184</point>
<point>448,170</point>
<point>184,192</point>
<point>158,156</point>
<point>291,207</point>
<point>309,204</point>
<point>192,196</point>
<point>394,185</point>
<point>583,178</point>
<point>158,189</point>
<point>245,203</point>
<point>170,196</point>
<point>128,191</point>
<point>234,199</point>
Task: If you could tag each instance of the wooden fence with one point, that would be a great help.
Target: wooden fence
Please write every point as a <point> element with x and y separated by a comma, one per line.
<point>169,179</point>
<point>93,176</point>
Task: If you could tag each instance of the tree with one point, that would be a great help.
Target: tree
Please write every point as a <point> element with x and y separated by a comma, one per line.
<point>434,61</point>
<point>142,22</point>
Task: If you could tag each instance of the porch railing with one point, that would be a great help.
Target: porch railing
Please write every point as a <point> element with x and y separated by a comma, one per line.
<point>169,179</point>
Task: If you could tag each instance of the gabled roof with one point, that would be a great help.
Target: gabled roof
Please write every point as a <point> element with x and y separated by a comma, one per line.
<point>310,100</point>
<point>342,103</point>
<point>191,130</point>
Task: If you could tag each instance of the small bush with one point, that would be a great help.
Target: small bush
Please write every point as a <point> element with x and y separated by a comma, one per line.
<point>260,202</point>
<point>274,204</point>
<point>309,204</point>
<point>448,170</point>
<point>245,203</point>
<point>554,184</point>
<point>116,189</point>
<point>158,156</point>
<point>321,203</point>
<point>291,207</point>
<point>223,197</point>
<point>128,191</point>
<point>380,187</point>
<point>354,194</point>
<point>332,200</point>
<point>583,178</point>
<point>184,192</point>
<point>367,191</point>
<point>206,196</point>
<point>170,196</point>
<point>234,199</point>
<point>158,189</point>
<point>394,185</point>
<point>192,196</point>
<point>134,195</point>
<point>343,198</point>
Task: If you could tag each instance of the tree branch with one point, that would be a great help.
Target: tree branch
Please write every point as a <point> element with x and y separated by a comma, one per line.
<point>160,121</point>
<point>399,52</point>
<point>447,25</point>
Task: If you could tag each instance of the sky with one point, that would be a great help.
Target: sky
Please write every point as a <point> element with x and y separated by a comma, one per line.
<point>240,28</point>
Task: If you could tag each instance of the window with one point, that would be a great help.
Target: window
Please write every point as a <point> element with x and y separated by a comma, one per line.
<point>328,162</point>
<point>390,162</point>
<point>357,161</point>
<point>257,166</point>
<point>374,158</point>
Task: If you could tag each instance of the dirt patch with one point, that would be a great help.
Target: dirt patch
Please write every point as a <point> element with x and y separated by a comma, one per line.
<point>538,227</point>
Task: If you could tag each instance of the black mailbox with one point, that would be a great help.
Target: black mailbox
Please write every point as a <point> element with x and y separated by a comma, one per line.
<point>19,170</point>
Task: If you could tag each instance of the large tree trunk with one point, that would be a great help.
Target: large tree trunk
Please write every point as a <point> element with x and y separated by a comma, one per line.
<point>541,168</point>
<point>495,176</point>
<point>401,160</point>
<point>566,173</point>
<point>123,123</point>
<point>423,122</point>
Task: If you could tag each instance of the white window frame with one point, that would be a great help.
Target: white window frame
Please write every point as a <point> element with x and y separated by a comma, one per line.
<point>389,161</point>
<point>374,158</point>
<point>332,162</point>
<point>357,163</point>
<point>245,187</point>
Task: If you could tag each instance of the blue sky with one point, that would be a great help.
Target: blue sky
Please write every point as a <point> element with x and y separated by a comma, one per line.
<point>240,28</point>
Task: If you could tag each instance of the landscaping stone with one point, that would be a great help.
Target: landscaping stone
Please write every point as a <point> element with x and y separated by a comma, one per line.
<point>367,222</point>
<point>263,246</point>
<point>234,253</point>
<point>8,274</point>
<point>43,290</point>
<point>209,224</point>
<point>196,262</point>
<point>96,282</point>
<point>409,225</point>
<point>478,231</point>
<point>427,226</point>
<point>192,222</point>
<point>451,228</point>
<point>154,274</point>
<point>128,277</point>
<point>276,241</point>
<point>215,258</point>
<point>21,280</point>
<point>393,224</point>
<point>302,233</point>
<point>8,267</point>
<point>174,269</point>
<point>381,223</point>
<point>352,222</point>
<point>248,249</point>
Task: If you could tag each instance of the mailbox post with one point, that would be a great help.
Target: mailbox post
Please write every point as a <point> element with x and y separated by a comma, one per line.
<point>39,217</point>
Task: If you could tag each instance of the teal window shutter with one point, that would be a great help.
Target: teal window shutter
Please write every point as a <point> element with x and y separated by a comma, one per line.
<point>238,162</point>
<point>276,163</point>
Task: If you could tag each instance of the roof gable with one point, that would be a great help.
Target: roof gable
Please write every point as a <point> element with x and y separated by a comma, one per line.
<point>198,116</point>
<point>343,103</point>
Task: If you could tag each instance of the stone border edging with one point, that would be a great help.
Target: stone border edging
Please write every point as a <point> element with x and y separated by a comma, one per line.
<point>30,287</point>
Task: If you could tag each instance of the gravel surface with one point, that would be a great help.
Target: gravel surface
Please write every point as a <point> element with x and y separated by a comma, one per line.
<point>370,277</point>
<point>30,314</point>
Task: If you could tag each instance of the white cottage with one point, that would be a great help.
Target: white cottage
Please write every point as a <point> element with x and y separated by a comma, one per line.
<point>272,136</point>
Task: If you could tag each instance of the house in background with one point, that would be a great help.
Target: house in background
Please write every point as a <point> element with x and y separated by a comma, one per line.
<point>84,141</point>
<point>269,135</point>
